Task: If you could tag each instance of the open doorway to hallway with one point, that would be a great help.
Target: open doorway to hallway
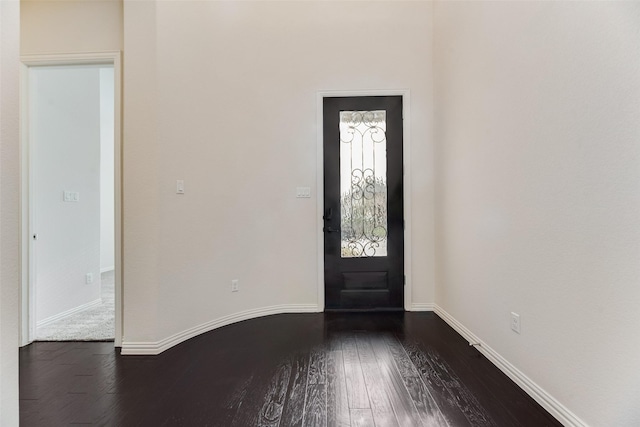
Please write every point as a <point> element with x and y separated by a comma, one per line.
<point>71,202</point>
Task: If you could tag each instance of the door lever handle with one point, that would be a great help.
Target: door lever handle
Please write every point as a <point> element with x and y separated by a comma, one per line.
<point>327,214</point>
<point>330,230</point>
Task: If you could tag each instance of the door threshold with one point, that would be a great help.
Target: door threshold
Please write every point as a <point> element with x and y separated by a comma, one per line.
<point>364,310</point>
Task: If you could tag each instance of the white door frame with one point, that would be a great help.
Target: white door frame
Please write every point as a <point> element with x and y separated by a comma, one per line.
<point>406,160</point>
<point>27,306</point>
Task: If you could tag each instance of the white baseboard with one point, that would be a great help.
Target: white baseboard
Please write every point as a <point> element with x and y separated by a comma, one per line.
<point>105,269</point>
<point>422,306</point>
<point>153,348</point>
<point>70,312</point>
<point>548,402</point>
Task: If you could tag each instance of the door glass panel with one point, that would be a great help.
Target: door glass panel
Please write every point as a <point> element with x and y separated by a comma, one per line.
<point>363,183</point>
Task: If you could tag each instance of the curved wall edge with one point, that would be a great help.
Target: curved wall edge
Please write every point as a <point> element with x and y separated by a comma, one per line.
<point>157,347</point>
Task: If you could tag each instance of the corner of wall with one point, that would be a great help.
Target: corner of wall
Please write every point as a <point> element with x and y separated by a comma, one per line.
<point>9,209</point>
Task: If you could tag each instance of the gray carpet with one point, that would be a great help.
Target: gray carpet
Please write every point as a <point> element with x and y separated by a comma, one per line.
<point>93,324</point>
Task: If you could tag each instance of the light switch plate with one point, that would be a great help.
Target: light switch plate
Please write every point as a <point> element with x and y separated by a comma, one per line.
<point>303,192</point>
<point>70,196</point>
<point>515,322</point>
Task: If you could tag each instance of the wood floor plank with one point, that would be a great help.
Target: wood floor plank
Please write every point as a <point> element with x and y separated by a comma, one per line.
<point>422,397</point>
<point>356,388</point>
<point>381,408</point>
<point>234,400</point>
<point>315,408</point>
<point>334,342</point>
<point>249,412</point>
<point>337,401</point>
<point>294,409</point>
<point>271,412</point>
<point>447,403</point>
<point>362,418</point>
<point>317,367</point>
<point>403,406</point>
<point>435,371</point>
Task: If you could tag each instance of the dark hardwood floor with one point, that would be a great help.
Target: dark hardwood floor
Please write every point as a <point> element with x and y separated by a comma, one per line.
<point>392,369</point>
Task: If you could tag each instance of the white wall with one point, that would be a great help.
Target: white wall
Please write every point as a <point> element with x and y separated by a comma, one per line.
<point>9,210</point>
<point>107,208</point>
<point>539,192</point>
<point>64,140</point>
<point>223,95</point>
<point>140,189</point>
<point>69,26</point>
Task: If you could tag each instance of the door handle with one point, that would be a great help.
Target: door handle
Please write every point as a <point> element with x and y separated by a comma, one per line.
<point>327,214</point>
<point>330,230</point>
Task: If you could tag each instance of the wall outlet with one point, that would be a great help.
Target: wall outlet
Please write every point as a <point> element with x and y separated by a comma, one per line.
<point>88,278</point>
<point>234,285</point>
<point>515,322</point>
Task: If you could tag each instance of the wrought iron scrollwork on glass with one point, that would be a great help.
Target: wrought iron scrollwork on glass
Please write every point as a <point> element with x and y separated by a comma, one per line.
<point>363,183</point>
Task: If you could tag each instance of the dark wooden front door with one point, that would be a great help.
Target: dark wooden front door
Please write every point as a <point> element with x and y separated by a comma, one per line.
<point>363,203</point>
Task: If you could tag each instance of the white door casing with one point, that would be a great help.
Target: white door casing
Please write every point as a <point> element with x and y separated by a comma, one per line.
<point>27,329</point>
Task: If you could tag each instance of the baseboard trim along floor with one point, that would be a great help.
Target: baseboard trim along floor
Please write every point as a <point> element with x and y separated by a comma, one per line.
<point>548,402</point>
<point>70,312</point>
<point>94,321</point>
<point>153,348</point>
<point>422,307</point>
